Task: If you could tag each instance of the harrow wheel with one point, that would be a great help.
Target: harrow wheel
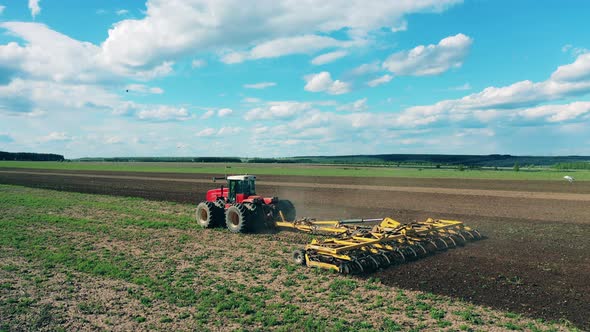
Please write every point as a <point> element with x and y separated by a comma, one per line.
<point>344,268</point>
<point>236,219</point>
<point>299,257</point>
<point>208,215</point>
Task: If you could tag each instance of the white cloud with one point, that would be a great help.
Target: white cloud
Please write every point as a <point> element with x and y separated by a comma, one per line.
<point>207,114</point>
<point>277,110</point>
<point>478,115</point>
<point>141,88</point>
<point>410,141</point>
<point>557,113</point>
<point>356,106</point>
<point>380,80</point>
<point>574,50</point>
<point>523,93</point>
<point>403,26</point>
<point>493,102</point>
<point>113,140</point>
<point>463,87</point>
<point>431,59</point>
<point>328,57</point>
<point>198,63</point>
<point>224,112</point>
<point>172,28</point>
<point>122,12</point>
<point>234,57</point>
<point>2,9</point>
<point>322,82</point>
<point>27,96</point>
<point>228,131</point>
<point>251,100</point>
<point>475,131</point>
<point>261,85</point>
<point>164,113</point>
<point>147,48</point>
<point>34,7</point>
<point>223,132</point>
<point>577,71</point>
<point>55,136</point>
<point>287,46</point>
<point>366,68</point>
<point>207,132</point>
<point>51,55</point>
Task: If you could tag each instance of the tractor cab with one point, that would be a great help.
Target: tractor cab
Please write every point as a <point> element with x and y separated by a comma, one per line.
<point>240,187</point>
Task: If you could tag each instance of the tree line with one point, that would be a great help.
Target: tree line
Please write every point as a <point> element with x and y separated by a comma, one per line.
<point>30,156</point>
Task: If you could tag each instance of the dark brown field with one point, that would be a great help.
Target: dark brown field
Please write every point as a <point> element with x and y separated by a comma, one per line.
<point>536,259</point>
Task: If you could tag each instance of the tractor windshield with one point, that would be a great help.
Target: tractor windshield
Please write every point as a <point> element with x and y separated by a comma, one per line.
<point>250,187</point>
<point>246,187</point>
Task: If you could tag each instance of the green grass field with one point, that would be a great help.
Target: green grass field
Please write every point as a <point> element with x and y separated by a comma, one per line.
<point>71,261</point>
<point>305,170</point>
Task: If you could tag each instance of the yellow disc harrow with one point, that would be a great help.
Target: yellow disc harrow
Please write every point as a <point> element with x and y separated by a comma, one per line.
<point>358,248</point>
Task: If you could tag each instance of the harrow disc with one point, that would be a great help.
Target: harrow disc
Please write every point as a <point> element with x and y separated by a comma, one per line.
<point>459,241</point>
<point>476,234</point>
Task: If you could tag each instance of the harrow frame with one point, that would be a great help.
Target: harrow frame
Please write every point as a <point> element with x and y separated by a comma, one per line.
<point>361,248</point>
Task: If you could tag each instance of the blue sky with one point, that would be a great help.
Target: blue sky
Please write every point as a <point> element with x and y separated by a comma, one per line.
<point>284,78</point>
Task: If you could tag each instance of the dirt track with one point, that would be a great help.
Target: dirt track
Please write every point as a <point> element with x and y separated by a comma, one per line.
<point>535,261</point>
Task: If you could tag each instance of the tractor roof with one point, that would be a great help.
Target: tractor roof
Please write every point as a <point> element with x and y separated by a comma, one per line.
<point>241,177</point>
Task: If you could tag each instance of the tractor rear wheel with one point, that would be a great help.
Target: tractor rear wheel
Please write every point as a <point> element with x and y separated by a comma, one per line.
<point>208,215</point>
<point>256,217</point>
<point>236,219</point>
<point>287,208</point>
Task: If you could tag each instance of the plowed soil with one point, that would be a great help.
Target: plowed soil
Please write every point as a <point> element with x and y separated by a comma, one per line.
<point>535,261</point>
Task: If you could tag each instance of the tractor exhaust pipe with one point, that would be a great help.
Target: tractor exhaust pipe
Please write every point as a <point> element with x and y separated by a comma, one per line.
<point>215,178</point>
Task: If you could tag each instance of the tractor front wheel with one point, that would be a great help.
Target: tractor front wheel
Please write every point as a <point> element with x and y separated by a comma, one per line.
<point>236,218</point>
<point>208,215</point>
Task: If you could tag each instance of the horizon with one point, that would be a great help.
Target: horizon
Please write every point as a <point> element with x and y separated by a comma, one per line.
<point>305,156</point>
<point>199,78</point>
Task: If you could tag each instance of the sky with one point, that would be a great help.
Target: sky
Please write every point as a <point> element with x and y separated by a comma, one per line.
<point>281,78</point>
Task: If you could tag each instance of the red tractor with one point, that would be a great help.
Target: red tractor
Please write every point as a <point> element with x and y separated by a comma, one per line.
<point>240,208</point>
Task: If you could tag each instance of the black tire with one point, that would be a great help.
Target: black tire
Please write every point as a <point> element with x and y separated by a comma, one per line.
<point>236,219</point>
<point>299,257</point>
<point>256,217</point>
<point>288,210</point>
<point>208,215</point>
<point>220,204</point>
